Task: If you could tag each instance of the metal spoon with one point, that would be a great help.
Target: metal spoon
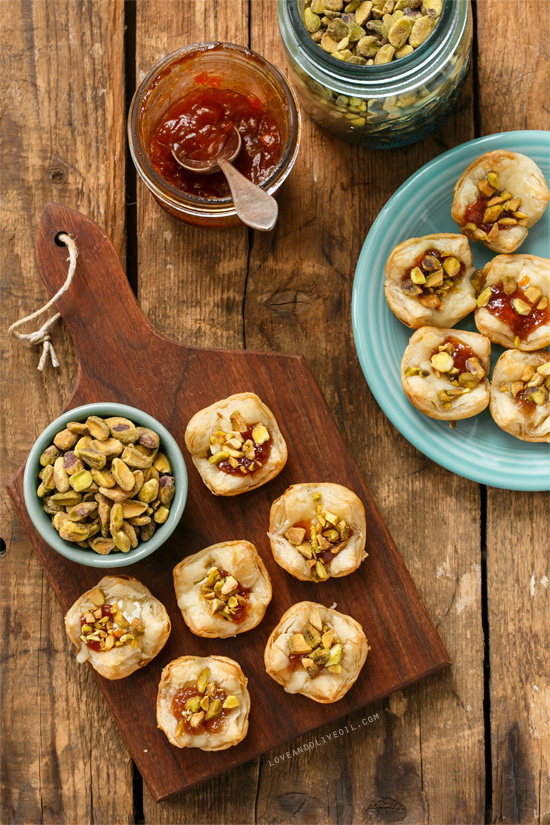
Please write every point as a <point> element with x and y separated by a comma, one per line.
<point>254,206</point>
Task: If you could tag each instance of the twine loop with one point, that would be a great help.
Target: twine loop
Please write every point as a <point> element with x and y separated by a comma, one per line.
<point>42,335</point>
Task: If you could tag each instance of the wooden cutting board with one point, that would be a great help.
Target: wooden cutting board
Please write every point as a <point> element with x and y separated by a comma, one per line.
<point>123,358</point>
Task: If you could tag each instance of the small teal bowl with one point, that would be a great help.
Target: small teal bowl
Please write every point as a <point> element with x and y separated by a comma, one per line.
<point>42,521</point>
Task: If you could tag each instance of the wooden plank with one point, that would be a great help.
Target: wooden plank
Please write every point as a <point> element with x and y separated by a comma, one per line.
<point>405,645</point>
<point>63,140</point>
<point>422,759</point>
<point>204,273</point>
<point>517,523</point>
<point>512,82</point>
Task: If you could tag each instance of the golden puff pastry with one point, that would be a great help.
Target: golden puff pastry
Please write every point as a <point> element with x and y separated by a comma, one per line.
<point>520,394</point>
<point>444,372</point>
<point>316,651</point>
<point>236,444</point>
<point>203,703</point>
<point>318,531</point>
<point>428,280</point>
<point>513,304</point>
<point>135,626</point>
<point>222,590</point>
<point>498,198</point>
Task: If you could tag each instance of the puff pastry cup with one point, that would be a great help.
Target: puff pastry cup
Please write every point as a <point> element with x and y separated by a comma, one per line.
<point>222,590</point>
<point>203,703</point>
<point>513,304</point>
<point>236,444</point>
<point>118,626</point>
<point>520,394</point>
<point>428,280</point>
<point>498,198</point>
<point>318,531</point>
<point>444,372</point>
<point>316,651</point>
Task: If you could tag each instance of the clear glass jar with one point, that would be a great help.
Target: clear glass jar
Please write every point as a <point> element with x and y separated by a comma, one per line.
<point>388,105</point>
<point>240,70</point>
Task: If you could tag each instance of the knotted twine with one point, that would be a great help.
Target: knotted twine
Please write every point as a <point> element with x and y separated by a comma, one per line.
<point>42,335</point>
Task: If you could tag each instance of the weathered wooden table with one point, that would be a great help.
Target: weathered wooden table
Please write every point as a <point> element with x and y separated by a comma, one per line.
<point>468,746</point>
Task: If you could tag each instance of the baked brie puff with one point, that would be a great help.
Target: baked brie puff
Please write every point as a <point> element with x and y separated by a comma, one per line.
<point>318,531</point>
<point>513,302</point>
<point>203,703</point>
<point>498,198</point>
<point>316,651</point>
<point>118,626</point>
<point>520,394</point>
<point>444,372</point>
<point>222,590</point>
<point>428,280</point>
<point>236,444</point>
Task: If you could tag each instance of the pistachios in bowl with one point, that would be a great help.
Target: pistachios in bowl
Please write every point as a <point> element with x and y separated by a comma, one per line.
<point>105,485</point>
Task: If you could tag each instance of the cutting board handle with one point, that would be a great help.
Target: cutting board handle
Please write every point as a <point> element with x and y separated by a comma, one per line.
<point>99,308</point>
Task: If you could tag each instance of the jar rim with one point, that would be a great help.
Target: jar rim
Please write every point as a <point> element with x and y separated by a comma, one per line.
<point>370,80</point>
<point>177,198</point>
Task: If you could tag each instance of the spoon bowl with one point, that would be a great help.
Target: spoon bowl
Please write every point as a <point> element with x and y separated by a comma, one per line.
<point>229,152</point>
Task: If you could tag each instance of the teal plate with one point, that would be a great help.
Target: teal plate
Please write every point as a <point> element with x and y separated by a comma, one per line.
<point>477,449</point>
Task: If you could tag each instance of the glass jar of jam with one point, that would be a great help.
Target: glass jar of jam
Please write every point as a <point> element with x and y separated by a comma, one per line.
<point>386,105</point>
<point>190,101</point>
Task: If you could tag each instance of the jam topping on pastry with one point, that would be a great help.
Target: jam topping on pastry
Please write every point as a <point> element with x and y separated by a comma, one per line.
<point>494,211</point>
<point>316,648</point>
<point>107,627</point>
<point>202,707</point>
<point>243,450</point>
<point>458,363</point>
<point>433,275</point>
<point>226,597</point>
<point>533,390</point>
<point>319,539</point>
<point>522,308</point>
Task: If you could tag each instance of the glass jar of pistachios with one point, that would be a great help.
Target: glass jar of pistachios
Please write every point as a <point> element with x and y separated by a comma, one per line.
<point>378,73</point>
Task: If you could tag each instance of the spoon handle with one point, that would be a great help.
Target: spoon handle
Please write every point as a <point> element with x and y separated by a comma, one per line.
<point>254,206</point>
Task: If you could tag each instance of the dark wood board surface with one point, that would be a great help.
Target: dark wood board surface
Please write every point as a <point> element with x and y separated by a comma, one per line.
<point>123,358</point>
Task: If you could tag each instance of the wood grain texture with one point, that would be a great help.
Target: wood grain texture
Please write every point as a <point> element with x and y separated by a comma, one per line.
<point>423,760</point>
<point>517,523</point>
<point>513,82</point>
<point>63,139</point>
<point>380,595</point>
<point>197,300</point>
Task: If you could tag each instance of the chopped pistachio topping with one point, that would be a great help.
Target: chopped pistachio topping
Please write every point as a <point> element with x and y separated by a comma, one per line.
<point>432,278</point>
<point>328,532</point>
<point>205,705</point>
<point>501,210</point>
<point>462,382</point>
<point>318,647</point>
<point>223,594</point>
<point>521,307</point>
<point>484,297</point>
<point>105,626</point>
<point>533,386</point>
<point>235,448</point>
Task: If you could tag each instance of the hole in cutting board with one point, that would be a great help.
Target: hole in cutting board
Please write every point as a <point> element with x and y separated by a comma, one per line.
<point>58,240</point>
